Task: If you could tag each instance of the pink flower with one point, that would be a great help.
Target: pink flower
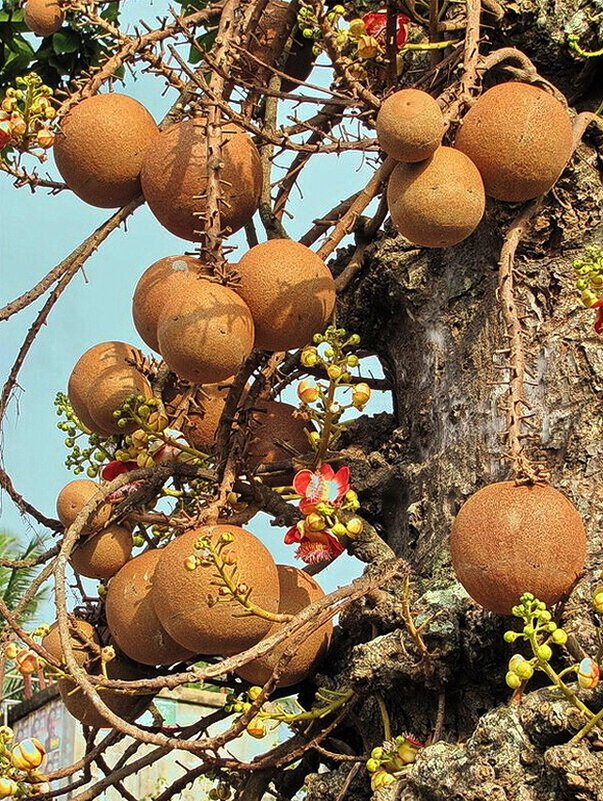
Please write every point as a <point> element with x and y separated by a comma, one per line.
<point>161,451</point>
<point>375,24</point>
<point>114,469</point>
<point>325,486</point>
<point>314,546</point>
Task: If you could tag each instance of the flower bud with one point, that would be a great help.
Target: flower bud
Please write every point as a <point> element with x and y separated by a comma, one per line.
<point>544,652</point>
<point>11,650</point>
<point>361,395</point>
<point>372,765</point>
<point>254,692</point>
<point>8,787</point>
<point>45,138</point>
<point>307,392</point>
<point>190,563</point>
<point>588,674</point>
<point>6,734</point>
<point>315,522</point>
<point>339,530</point>
<point>368,47</point>
<point>354,527</point>
<point>334,372</point>
<point>18,126</point>
<point>256,728</point>
<point>356,27</point>
<point>309,357</point>
<point>513,680</point>
<point>598,599</point>
<point>28,755</point>
<point>381,778</point>
<point>559,637</point>
<point>26,662</point>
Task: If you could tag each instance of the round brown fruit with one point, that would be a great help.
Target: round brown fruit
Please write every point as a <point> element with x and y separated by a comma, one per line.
<point>520,139</point>
<point>508,539</point>
<point>73,497</point>
<point>438,202</point>
<point>108,392</point>
<point>202,420</point>
<point>128,707</point>
<point>81,635</point>
<point>206,332</point>
<point>89,367</point>
<point>101,555</point>
<point>175,173</point>
<point>289,290</point>
<point>43,17</point>
<point>297,591</point>
<point>276,422</point>
<point>131,618</point>
<point>186,600</point>
<point>410,125</point>
<point>99,148</point>
<point>155,289</point>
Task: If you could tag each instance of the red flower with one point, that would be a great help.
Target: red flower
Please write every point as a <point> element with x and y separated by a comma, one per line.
<point>325,486</point>
<point>314,546</point>
<point>114,469</point>
<point>375,24</point>
<point>599,321</point>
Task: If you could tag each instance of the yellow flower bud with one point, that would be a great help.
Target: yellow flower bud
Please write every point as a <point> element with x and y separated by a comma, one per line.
<point>315,522</point>
<point>256,728</point>
<point>309,357</point>
<point>307,392</point>
<point>28,755</point>
<point>357,27</point>
<point>354,527</point>
<point>8,787</point>
<point>11,650</point>
<point>368,47</point>
<point>361,395</point>
<point>334,372</point>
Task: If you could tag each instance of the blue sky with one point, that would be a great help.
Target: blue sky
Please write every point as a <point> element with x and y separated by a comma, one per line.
<point>38,231</point>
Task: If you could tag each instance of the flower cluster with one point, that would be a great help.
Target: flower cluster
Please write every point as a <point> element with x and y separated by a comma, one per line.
<point>26,114</point>
<point>325,495</point>
<point>27,663</point>
<point>589,282</point>
<point>392,758</point>
<point>19,763</point>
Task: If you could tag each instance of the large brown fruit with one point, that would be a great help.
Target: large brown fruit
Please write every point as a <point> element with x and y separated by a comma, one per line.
<point>438,202</point>
<point>203,417</point>
<point>73,497</point>
<point>131,617</point>
<point>410,125</point>
<point>290,291</point>
<point>186,600</point>
<point>100,146</point>
<point>206,332</point>
<point>43,17</point>
<point>276,422</point>
<point>508,539</point>
<point>101,555</point>
<point>520,139</point>
<point>298,590</point>
<point>175,172</point>
<point>89,367</point>
<point>108,392</point>
<point>82,634</point>
<point>155,289</point>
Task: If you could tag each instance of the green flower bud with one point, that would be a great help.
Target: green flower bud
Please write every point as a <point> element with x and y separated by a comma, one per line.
<point>377,753</point>
<point>510,636</point>
<point>513,680</point>
<point>559,637</point>
<point>372,765</point>
<point>544,652</point>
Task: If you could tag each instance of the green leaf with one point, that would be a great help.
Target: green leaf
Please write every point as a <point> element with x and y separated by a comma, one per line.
<point>65,41</point>
<point>206,42</point>
<point>111,12</point>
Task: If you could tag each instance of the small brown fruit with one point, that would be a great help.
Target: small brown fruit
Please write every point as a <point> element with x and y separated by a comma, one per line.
<point>73,497</point>
<point>131,617</point>
<point>276,423</point>
<point>154,290</point>
<point>202,421</point>
<point>101,555</point>
<point>297,591</point>
<point>186,601</point>
<point>43,17</point>
<point>99,148</point>
<point>89,367</point>
<point>439,202</point>
<point>206,332</point>
<point>410,125</point>
<point>82,634</point>
<point>508,539</point>
<point>108,392</point>
<point>175,173</point>
<point>520,139</point>
<point>290,291</point>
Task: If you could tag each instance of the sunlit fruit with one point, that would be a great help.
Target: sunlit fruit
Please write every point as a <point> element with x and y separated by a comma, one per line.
<point>101,555</point>
<point>73,497</point>
<point>509,539</point>
<point>107,393</point>
<point>289,290</point>
<point>277,434</point>
<point>131,617</point>
<point>43,17</point>
<point>297,591</point>
<point>175,174</point>
<point>410,125</point>
<point>438,202</point>
<point>99,148</point>
<point>520,138</point>
<point>193,605</point>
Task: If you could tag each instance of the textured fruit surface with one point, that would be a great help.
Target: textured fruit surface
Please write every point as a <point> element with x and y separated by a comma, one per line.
<point>43,17</point>
<point>89,367</point>
<point>131,617</point>
<point>297,591</point>
<point>100,146</point>
<point>410,125</point>
<point>203,414</point>
<point>101,555</point>
<point>438,202</point>
<point>206,332</point>
<point>154,290</point>
<point>82,633</point>
<point>290,291</point>
<point>519,137</point>
<point>276,423</point>
<point>507,540</point>
<point>175,171</point>
<point>108,392</point>
<point>186,600</point>
<point>73,497</point>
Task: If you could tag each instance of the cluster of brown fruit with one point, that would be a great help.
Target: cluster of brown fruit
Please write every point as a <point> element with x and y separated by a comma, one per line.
<point>512,145</point>
<point>509,539</point>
